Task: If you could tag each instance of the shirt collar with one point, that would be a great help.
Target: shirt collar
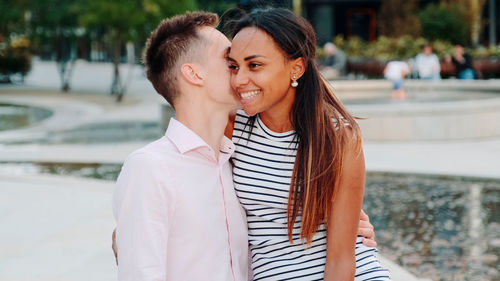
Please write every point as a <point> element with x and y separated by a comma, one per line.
<point>186,140</point>
<point>226,149</point>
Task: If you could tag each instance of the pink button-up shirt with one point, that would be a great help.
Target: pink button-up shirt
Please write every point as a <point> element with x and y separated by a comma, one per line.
<point>177,214</point>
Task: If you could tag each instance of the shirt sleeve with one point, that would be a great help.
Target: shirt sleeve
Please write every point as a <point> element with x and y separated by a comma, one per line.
<point>438,64</point>
<point>142,206</point>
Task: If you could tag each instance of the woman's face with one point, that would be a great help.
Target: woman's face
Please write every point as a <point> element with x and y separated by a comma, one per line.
<point>260,72</point>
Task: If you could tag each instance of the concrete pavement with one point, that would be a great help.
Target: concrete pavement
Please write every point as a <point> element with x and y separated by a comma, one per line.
<point>55,228</point>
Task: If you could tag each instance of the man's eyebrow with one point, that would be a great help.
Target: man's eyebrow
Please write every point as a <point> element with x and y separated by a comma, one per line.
<point>228,50</point>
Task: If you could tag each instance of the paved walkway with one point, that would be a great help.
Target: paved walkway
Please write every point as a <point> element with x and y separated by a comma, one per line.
<point>55,229</point>
<point>58,228</point>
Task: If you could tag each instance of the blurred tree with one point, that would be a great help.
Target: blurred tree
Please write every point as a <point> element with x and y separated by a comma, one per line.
<point>216,6</point>
<point>297,7</point>
<point>445,22</point>
<point>12,17</point>
<point>54,23</point>
<point>474,12</point>
<point>397,18</point>
<point>127,20</point>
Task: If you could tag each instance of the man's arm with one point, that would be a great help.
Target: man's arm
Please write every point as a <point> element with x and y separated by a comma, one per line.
<point>142,207</point>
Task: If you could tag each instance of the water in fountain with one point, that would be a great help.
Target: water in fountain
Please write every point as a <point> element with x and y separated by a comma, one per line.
<point>19,116</point>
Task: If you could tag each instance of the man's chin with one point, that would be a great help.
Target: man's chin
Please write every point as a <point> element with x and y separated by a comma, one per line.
<point>238,105</point>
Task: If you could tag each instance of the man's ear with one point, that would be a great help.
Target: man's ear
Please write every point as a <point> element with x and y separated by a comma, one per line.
<point>190,74</point>
<point>298,67</point>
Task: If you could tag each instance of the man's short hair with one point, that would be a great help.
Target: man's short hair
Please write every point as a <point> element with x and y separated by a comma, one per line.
<point>173,42</point>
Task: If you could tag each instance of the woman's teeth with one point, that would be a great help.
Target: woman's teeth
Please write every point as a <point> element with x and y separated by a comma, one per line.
<point>247,95</point>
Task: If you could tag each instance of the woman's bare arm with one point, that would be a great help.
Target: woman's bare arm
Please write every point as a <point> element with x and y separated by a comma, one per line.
<point>343,222</point>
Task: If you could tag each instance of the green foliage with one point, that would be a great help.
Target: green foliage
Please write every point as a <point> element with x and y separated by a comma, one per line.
<point>12,16</point>
<point>135,19</point>
<point>53,13</point>
<point>127,20</point>
<point>216,6</point>
<point>385,48</point>
<point>15,57</point>
<point>354,46</point>
<point>52,19</point>
<point>157,10</point>
<point>123,15</point>
<point>402,48</point>
<point>483,52</point>
<point>442,48</point>
<point>446,22</point>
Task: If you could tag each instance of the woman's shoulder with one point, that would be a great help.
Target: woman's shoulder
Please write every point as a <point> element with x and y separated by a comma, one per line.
<point>237,122</point>
<point>340,121</point>
<point>351,130</point>
<point>241,117</point>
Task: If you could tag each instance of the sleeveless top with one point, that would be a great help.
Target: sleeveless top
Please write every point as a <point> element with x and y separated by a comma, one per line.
<point>262,170</point>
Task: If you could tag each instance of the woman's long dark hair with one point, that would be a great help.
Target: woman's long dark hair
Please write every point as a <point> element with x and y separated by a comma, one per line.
<point>317,116</point>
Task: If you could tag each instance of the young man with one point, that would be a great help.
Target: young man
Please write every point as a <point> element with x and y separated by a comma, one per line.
<point>177,214</point>
<point>427,64</point>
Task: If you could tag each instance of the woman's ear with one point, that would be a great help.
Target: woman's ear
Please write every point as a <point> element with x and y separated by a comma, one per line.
<point>298,67</point>
<point>190,74</point>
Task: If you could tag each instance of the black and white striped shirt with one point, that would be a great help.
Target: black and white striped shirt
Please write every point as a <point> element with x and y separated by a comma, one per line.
<point>263,166</point>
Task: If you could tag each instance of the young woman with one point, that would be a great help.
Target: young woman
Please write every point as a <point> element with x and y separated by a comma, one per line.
<point>298,167</point>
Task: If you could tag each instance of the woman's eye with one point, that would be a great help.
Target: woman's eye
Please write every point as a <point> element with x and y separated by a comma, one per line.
<point>233,67</point>
<point>254,65</point>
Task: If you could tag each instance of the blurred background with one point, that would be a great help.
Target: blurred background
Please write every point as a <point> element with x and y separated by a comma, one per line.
<point>74,102</point>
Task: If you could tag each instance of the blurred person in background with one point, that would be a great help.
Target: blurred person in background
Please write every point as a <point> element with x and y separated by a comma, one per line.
<point>427,64</point>
<point>396,71</point>
<point>463,63</point>
<point>334,64</point>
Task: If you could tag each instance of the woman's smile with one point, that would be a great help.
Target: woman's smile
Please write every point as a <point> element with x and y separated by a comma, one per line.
<point>248,96</point>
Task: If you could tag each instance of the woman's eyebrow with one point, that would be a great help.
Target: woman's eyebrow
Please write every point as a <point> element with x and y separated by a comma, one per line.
<point>254,56</point>
<point>247,58</point>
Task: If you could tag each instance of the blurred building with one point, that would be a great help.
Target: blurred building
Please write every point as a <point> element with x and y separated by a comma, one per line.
<point>359,17</point>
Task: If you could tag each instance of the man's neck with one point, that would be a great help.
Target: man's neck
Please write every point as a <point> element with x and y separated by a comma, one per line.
<point>208,124</point>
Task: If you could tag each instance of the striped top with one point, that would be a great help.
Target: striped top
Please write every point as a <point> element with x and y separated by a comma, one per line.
<point>263,165</point>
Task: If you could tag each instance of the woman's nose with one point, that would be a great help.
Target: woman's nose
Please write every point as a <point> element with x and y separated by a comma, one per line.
<point>239,78</point>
